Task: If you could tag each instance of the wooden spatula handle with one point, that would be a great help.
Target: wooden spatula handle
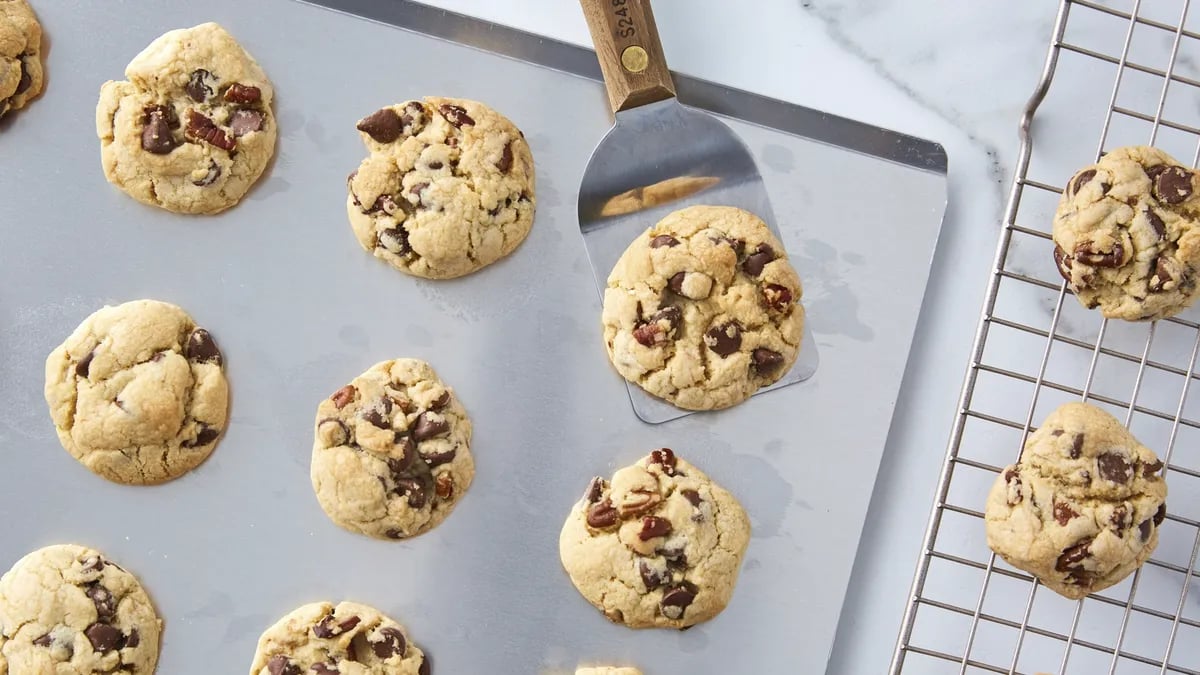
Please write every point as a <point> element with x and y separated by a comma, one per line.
<point>631,56</point>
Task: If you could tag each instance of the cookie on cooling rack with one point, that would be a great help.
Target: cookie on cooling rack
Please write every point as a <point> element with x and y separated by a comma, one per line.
<point>1081,509</point>
<point>1126,235</point>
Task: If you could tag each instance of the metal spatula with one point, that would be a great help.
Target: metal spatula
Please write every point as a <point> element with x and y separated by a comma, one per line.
<point>660,156</point>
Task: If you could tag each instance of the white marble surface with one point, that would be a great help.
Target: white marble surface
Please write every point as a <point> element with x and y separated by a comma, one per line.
<point>957,73</point>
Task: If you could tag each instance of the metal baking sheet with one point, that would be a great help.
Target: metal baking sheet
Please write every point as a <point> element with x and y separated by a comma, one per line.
<point>299,308</point>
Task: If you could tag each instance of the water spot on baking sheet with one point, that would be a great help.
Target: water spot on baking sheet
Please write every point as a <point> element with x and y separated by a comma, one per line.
<point>353,336</point>
<point>773,447</point>
<point>829,300</point>
<point>778,158</point>
<point>853,258</point>
<point>547,195</point>
<point>751,564</point>
<point>694,639</point>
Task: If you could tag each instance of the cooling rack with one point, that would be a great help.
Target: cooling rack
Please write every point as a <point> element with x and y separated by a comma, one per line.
<point>1125,73</point>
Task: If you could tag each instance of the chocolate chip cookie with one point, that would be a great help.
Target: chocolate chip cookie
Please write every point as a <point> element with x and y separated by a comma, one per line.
<point>660,545</point>
<point>137,392</point>
<point>1081,509</point>
<point>320,639</point>
<point>191,129</point>
<point>68,609</point>
<point>20,55</point>
<point>448,187</point>
<point>392,453</point>
<point>1127,237</point>
<point>703,308</point>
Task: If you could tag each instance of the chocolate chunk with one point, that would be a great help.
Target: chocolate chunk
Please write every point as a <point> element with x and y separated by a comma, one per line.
<point>205,435</point>
<point>214,172</point>
<point>1063,513</point>
<point>506,158</point>
<point>725,338</point>
<point>765,360</point>
<point>595,490</point>
<point>134,639</point>
<point>342,397</point>
<point>441,401</point>
<point>93,563</point>
<point>651,577</point>
<point>602,515</point>
<point>1120,520</point>
<point>1073,555</point>
<point>1161,514</point>
<point>413,119</point>
<point>435,165</point>
<point>778,298</point>
<point>201,128</point>
<point>676,557</point>
<point>455,115</point>
<point>1145,529</point>
<point>1161,275</point>
<point>242,93</point>
<point>428,426</point>
<point>665,457</point>
<point>1076,446</point>
<point>395,239</point>
<point>676,600</point>
<point>44,641</point>
<point>324,669</point>
<point>245,121</point>
<point>391,642</point>
<point>692,496</point>
<point>282,665</point>
<point>1160,228</point>
<point>330,627</point>
<point>424,668</point>
<point>104,638</point>
<point>413,489</point>
<point>436,459</point>
<point>1063,262</point>
<point>408,454</point>
<point>653,526</point>
<point>443,486</point>
<point>663,240</point>
<point>1087,256</point>
<point>1114,468</point>
<point>201,348</point>
<point>394,534</point>
<point>85,364</point>
<point>1082,178</point>
<point>26,80</point>
<point>1150,470</point>
<point>755,262</point>
<point>675,283</point>
<point>1172,184</point>
<point>660,327</point>
<point>156,131</point>
<point>197,87</point>
<point>376,418</point>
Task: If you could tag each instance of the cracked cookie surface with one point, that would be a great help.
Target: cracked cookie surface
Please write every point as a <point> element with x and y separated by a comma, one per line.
<point>392,451</point>
<point>66,609</point>
<point>703,308</point>
<point>660,545</point>
<point>191,129</point>
<point>321,639</point>
<point>448,187</point>
<point>20,55</point>
<point>1126,235</point>
<point>137,393</point>
<point>1081,509</point>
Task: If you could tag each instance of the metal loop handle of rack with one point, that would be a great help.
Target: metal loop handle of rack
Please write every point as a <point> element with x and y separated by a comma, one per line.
<point>969,612</point>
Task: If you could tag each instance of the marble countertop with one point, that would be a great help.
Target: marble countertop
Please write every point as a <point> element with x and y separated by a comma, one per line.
<point>934,70</point>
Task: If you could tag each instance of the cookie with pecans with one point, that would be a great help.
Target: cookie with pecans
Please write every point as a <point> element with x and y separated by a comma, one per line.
<point>321,639</point>
<point>191,129</point>
<point>137,392</point>
<point>658,545</point>
<point>703,308</point>
<point>392,451</point>
<point>1081,509</point>
<point>447,189</point>
<point>68,609</point>
<point>1127,235</point>
<point>20,55</point>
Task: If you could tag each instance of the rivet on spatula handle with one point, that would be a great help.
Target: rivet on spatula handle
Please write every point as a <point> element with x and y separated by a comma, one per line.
<point>630,54</point>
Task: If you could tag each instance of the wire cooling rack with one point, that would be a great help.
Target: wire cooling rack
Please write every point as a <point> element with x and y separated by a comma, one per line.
<point>1127,73</point>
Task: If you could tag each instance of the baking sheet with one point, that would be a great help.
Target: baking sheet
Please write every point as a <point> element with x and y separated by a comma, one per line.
<point>298,309</point>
